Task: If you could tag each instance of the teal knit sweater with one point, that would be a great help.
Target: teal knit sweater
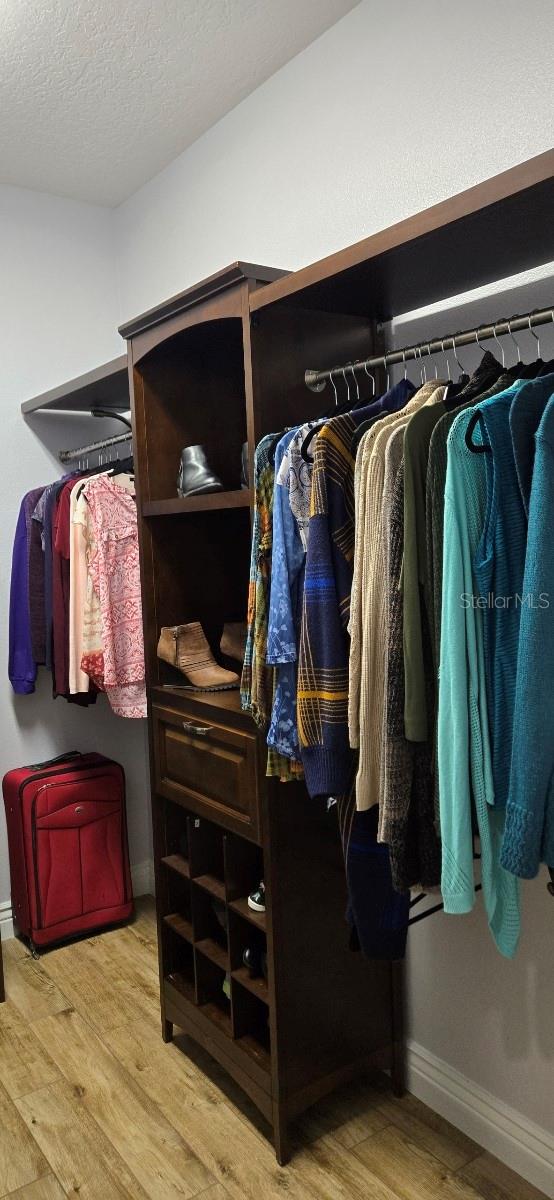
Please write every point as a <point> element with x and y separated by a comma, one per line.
<point>464,758</point>
<point>529,833</point>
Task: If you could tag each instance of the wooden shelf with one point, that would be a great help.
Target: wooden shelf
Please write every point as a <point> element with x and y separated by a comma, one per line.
<point>218,1016</point>
<point>104,387</point>
<point>180,925</point>
<point>183,985</point>
<point>243,909</point>
<point>229,700</point>
<point>257,986</point>
<point>255,1051</point>
<point>211,884</point>
<point>212,286</point>
<point>494,229</point>
<point>177,863</point>
<point>216,953</point>
<point>211,502</point>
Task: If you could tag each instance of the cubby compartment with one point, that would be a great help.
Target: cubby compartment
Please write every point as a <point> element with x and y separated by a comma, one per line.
<point>207,856</point>
<point>212,999</point>
<point>210,922</point>
<point>251,1025</point>
<point>179,904</point>
<point>244,936</point>
<point>192,385</point>
<point>178,957</point>
<point>244,867</point>
<point>177,857</point>
<point>208,583</point>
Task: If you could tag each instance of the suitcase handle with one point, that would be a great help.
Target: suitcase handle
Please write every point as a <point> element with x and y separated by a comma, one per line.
<point>51,762</point>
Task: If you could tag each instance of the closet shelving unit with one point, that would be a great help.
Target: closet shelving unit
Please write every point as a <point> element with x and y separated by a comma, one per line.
<point>219,364</point>
<point>106,386</point>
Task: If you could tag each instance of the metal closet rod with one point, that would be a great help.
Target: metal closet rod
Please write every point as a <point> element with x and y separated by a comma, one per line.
<point>67,456</point>
<point>316,380</point>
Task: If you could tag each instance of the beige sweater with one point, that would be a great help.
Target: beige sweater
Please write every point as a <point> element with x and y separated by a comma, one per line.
<point>371,611</point>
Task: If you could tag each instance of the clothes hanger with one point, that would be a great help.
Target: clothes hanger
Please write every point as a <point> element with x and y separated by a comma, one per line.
<point>337,411</point>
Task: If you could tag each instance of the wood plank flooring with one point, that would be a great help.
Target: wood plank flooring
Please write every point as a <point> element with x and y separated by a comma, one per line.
<point>94,1106</point>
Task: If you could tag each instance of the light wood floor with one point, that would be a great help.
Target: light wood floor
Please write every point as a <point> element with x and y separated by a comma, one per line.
<point>94,1106</point>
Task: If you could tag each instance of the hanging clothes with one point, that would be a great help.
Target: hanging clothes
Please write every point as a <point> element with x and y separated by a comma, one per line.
<point>76,544</point>
<point>500,565</point>
<point>114,566</point>
<point>324,650</point>
<point>257,680</point>
<point>529,830</point>
<point>464,749</point>
<point>22,663</point>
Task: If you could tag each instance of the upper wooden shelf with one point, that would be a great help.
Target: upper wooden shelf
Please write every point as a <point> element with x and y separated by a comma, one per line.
<point>104,387</point>
<point>211,502</point>
<point>237,272</point>
<point>490,231</point>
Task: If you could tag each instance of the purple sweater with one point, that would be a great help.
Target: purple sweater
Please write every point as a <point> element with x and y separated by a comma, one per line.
<point>22,668</point>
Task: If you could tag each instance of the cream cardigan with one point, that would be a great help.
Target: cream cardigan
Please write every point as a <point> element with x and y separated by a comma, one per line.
<point>371,602</point>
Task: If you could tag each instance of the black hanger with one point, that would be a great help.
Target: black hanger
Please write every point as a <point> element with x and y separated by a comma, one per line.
<point>363,428</point>
<point>473,421</point>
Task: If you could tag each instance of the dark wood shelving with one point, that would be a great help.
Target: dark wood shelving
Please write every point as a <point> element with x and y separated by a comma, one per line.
<point>177,863</point>
<point>180,925</point>
<point>212,502</point>
<point>216,953</point>
<point>218,1016</point>
<point>255,1051</point>
<point>183,985</point>
<point>106,386</point>
<point>495,229</point>
<point>211,884</point>
<point>257,986</point>
<point>243,909</point>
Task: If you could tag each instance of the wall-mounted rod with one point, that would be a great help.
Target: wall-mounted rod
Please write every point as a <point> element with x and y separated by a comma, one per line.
<point>68,456</point>
<point>316,380</point>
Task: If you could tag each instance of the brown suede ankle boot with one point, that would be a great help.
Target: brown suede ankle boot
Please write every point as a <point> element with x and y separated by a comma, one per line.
<point>185,647</point>
<point>233,640</point>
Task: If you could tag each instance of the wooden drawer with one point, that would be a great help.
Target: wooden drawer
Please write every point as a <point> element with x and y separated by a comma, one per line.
<point>209,764</point>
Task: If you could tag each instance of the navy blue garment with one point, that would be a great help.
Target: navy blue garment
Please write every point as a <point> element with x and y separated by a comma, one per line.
<point>378,916</point>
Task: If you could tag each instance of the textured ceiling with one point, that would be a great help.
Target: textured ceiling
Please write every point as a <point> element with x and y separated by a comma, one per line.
<point>96,96</point>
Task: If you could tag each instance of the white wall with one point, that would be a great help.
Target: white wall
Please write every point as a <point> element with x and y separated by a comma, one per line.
<point>58,315</point>
<point>394,109</point>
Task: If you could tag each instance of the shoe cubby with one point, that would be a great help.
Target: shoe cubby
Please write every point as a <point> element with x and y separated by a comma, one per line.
<point>244,867</point>
<point>211,998</point>
<point>191,383</point>
<point>243,936</point>
<point>207,857</point>
<point>251,1025</point>
<point>210,923</point>
<point>178,958</point>
<point>177,858</point>
<point>208,582</point>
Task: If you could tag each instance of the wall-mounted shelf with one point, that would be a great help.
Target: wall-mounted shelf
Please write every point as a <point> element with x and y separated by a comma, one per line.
<point>106,386</point>
<point>211,502</point>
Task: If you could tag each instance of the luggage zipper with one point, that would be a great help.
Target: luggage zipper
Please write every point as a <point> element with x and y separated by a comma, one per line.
<point>44,788</point>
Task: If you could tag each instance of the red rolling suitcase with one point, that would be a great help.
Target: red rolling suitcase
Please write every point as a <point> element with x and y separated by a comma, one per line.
<point>67,840</point>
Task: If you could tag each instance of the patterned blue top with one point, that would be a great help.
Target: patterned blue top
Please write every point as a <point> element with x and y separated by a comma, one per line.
<point>287,572</point>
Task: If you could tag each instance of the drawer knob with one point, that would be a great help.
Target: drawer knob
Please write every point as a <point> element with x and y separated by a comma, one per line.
<point>200,730</point>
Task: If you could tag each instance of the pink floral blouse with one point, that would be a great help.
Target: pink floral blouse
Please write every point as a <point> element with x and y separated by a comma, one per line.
<point>114,567</point>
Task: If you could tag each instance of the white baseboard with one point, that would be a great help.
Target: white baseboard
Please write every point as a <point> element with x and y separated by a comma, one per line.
<point>6,921</point>
<point>522,1145</point>
<point>142,876</point>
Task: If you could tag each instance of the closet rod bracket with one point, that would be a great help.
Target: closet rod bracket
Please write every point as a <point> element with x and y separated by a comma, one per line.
<point>313,382</point>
